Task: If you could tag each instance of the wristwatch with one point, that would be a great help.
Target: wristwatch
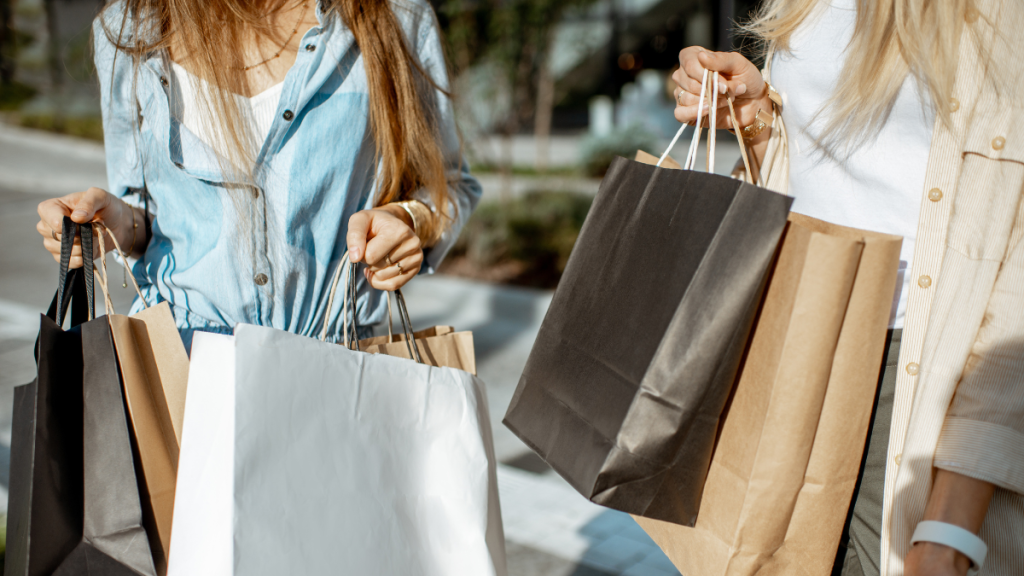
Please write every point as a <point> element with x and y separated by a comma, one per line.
<point>763,118</point>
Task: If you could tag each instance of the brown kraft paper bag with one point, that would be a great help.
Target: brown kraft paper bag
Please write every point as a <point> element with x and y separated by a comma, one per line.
<point>792,436</point>
<point>438,346</point>
<point>154,372</point>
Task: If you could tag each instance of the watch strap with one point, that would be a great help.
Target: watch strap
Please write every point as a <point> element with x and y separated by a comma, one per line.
<point>957,538</point>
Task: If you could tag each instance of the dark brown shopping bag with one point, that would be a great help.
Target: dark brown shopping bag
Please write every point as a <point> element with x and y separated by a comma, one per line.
<point>792,438</point>
<point>636,356</point>
<point>74,498</point>
<point>154,370</point>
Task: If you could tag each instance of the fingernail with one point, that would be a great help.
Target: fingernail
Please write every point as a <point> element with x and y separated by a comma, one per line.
<point>353,256</point>
<point>722,88</point>
<point>741,89</point>
<point>79,215</point>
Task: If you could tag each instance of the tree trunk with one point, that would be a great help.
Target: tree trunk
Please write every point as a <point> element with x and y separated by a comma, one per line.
<point>53,44</point>
<point>545,107</point>
<point>6,43</point>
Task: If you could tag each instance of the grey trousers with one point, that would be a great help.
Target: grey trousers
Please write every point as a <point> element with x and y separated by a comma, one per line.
<point>860,548</point>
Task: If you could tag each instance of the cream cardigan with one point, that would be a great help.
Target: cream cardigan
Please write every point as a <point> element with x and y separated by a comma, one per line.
<point>960,391</point>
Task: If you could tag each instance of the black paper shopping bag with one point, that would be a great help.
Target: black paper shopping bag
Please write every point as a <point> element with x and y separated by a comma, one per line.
<point>636,357</point>
<point>74,498</point>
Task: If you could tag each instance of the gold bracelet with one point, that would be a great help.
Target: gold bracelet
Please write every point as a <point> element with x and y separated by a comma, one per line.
<point>422,220</point>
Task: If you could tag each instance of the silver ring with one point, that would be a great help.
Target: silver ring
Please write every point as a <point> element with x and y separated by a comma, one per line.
<point>387,260</point>
<point>54,234</point>
<point>680,93</point>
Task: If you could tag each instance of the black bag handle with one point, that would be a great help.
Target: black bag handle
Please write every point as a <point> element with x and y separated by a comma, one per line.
<point>74,284</point>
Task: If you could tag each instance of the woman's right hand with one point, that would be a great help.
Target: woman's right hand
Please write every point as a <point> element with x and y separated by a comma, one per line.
<point>92,205</point>
<point>743,82</point>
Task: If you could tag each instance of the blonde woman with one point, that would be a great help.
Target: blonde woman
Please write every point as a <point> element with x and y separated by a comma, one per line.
<point>250,143</point>
<point>905,117</point>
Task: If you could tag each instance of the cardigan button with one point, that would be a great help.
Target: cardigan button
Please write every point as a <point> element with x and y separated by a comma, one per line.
<point>998,142</point>
<point>972,15</point>
<point>954,104</point>
<point>260,279</point>
<point>288,115</point>
<point>913,368</point>
<point>898,459</point>
<point>924,281</point>
<point>935,194</point>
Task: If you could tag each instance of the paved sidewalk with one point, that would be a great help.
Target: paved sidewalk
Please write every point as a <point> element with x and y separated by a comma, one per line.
<point>550,529</point>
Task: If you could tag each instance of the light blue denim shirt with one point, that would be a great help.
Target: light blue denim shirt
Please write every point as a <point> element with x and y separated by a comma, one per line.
<point>315,169</point>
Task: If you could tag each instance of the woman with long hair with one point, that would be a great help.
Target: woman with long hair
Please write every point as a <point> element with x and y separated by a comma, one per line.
<point>249,144</point>
<point>904,116</point>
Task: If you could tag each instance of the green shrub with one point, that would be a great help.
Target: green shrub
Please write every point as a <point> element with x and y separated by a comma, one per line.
<point>14,94</point>
<point>597,152</point>
<point>90,127</point>
<point>530,237</point>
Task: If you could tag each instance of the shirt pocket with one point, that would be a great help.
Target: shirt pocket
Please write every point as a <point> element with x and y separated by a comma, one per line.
<point>990,185</point>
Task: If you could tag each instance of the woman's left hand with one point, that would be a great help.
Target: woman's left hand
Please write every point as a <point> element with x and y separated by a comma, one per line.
<point>383,238</point>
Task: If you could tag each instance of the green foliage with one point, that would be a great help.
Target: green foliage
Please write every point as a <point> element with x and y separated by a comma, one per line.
<point>14,94</point>
<point>513,35</point>
<point>597,153</point>
<point>534,233</point>
<point>86,127</point>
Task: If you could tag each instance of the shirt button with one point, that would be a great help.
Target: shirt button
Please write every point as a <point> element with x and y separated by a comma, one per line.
<point>163,80</point>
<point>310,47</point>
<point>998,143</point>
<point>913,368</point>
<point>954,104</point>
<point>260,279</point>
<point>924,281</point>
<point>898,459</point>
<point>288,115</point>
<point>935,194</point>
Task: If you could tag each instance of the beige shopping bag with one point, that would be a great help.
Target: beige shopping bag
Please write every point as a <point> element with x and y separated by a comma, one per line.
<point>154,370</point>
<point>792,436</point>
<point>438,346</point>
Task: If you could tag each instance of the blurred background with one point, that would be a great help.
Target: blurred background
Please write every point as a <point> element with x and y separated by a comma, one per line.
<point>547,92</point>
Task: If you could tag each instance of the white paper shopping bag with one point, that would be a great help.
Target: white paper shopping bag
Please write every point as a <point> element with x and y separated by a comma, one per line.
<point>325,460</point>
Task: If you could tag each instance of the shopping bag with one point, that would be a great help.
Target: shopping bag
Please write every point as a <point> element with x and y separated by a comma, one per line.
<point>74,499</point>
<point>154,370</point>
<point>304,457</point>
<point>437,345</point>
<point>636,356</point>
<point>787,459</point>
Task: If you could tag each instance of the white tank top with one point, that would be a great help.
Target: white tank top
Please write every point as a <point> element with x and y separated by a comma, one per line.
<point>262,108</point>
<point>880,185</point>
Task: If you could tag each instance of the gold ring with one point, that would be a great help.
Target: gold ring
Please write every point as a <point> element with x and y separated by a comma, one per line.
<point>680,93</point>
<point>400,271</point>
<point>54,234</point>
<point>387,260</point>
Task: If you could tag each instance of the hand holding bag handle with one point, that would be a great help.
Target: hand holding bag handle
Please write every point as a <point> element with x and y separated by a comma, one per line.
<point>74,284</point>
<point>349,303</point>
<point>691,155</point>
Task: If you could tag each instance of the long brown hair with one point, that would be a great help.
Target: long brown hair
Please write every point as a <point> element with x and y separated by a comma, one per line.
<point>402,104</point>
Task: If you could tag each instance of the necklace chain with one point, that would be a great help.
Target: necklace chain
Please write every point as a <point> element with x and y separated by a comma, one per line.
<point>305,6</point>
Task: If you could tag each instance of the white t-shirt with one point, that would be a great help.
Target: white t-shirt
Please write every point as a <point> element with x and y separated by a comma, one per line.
<point>879,186</point>
<point>262,108</point>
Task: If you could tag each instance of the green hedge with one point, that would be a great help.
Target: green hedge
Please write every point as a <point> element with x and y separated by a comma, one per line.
<point>530,236</point>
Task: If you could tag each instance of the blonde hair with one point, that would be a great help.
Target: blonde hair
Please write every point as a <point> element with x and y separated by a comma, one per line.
<point>892,39</point>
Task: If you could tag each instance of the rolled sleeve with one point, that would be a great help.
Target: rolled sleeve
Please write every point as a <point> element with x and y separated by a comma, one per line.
<point>983,433</point>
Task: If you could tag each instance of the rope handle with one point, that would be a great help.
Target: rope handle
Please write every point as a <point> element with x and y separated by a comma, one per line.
<point>99,229</point>
<point>691,154</point>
